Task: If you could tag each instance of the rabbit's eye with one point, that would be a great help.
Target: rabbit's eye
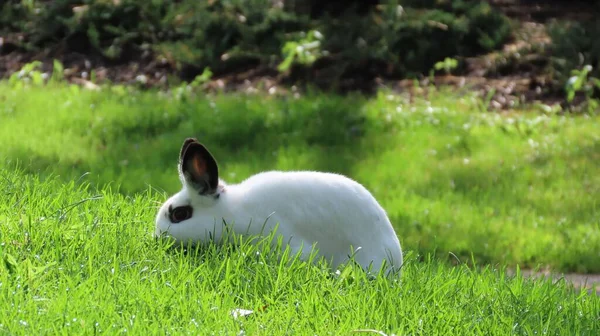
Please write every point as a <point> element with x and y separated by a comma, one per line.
<point>180,214</point>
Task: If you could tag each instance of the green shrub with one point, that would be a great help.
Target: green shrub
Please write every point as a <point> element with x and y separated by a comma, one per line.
<point>411,40</point>
<point>487,30</point>
<point>199,33</point>
<point>228,35</point>
<point>13,14</point>
<point>574,45</point>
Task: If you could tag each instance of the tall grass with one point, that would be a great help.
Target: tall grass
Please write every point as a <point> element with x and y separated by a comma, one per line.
<point>80,260</point>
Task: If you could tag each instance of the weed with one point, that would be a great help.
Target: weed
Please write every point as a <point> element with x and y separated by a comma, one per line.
<point>581,82</point>
<point>305,51</point>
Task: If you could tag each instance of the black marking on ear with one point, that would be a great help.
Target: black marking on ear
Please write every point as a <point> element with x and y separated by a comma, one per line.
<point>185,146</point>
<point>199,167</point>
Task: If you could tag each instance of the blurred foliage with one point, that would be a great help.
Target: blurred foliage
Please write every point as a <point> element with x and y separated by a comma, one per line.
<point>574,46</point>
<point>389,36</point>
<point>411,40</point>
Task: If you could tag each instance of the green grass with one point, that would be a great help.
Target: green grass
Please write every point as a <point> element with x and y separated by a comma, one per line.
<point>80,260</point>
<point>506,189</point>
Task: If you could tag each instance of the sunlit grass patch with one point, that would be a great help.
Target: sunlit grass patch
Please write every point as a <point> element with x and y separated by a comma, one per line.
<point>521,188</point>
<point>79,259</point>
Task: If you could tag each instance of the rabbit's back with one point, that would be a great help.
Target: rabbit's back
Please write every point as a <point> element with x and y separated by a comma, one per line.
<point>331,210</point>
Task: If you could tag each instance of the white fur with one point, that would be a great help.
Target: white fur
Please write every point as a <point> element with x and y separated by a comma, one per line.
<point>329,210</point>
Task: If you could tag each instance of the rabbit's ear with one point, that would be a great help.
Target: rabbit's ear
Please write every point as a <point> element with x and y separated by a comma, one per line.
<point>198,167</point>
<point>184,147</point>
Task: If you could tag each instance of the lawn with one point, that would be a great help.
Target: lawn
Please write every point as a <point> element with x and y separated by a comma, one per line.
<point>80,260</point>
<point>502,188</point>
<point>83,172</point>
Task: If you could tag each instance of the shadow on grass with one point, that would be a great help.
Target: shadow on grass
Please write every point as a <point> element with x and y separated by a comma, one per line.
<point>134,141</point>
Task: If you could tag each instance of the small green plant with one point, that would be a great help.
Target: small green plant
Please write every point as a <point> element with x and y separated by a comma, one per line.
<point>448,64</point>
<point>31,73</point>
<point>304,51</point>
<point>574,44</point>
<point>484,104</point>
<point>581,82</point>
<point>203,78</point>
<point>186,90</point>
<point>57,72</point>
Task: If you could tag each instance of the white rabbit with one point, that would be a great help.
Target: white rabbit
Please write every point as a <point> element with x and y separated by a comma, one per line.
<point>333,212</point>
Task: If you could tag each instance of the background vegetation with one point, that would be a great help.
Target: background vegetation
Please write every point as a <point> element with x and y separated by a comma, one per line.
<point>339,45</point>
<point>397,38</point>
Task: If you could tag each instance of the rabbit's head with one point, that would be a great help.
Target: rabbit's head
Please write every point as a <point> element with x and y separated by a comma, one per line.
<point>190,215</point>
